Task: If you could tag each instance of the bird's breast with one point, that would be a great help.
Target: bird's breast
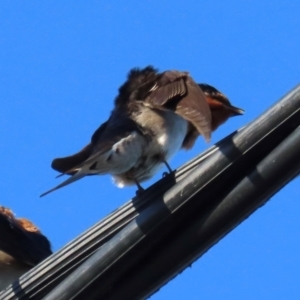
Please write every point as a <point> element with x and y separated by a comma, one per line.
<point>168,129</point>
<point>171,134</point>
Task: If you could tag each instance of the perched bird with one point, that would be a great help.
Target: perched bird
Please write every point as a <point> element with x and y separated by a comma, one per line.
<point>22,246</point>
<point>155,115</point>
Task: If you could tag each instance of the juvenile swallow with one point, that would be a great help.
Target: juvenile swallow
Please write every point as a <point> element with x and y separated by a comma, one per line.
<point>155,115</point>
<point>22,246</point>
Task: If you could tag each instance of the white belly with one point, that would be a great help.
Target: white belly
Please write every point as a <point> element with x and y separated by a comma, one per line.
<point>169,131</point>
<point>171,135</point>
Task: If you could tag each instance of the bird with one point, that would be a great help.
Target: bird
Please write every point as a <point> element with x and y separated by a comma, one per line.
<point>155,114</point>
<point>22,246</point>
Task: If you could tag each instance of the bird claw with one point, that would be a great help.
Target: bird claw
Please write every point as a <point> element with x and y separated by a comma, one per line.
<point>140,189</point>
<point>168,167</point>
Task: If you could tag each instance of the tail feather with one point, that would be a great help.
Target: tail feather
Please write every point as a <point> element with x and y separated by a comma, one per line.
<point>72,179</point>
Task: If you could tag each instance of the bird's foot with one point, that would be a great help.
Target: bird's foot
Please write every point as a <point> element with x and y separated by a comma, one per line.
<point>140,189</point>
<point>168,167</point>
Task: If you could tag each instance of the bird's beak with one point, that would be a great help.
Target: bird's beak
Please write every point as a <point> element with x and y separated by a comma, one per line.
<point>236,111</point>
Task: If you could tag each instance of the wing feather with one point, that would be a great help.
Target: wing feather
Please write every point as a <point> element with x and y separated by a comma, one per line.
<point>177,91</point>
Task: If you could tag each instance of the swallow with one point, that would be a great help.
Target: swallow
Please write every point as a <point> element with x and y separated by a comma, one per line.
<point>155,114</point>
<point>22,246</point>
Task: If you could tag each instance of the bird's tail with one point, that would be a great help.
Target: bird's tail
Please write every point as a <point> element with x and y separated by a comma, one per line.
<point>80,174</point>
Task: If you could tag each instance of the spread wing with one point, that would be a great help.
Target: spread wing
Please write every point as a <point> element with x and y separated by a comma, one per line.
<point>177,91</point>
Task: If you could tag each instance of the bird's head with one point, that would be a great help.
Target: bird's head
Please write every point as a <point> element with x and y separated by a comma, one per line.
<point>220,106</point>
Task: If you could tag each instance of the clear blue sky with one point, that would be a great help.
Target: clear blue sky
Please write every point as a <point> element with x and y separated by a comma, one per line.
<point>61,65</point>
